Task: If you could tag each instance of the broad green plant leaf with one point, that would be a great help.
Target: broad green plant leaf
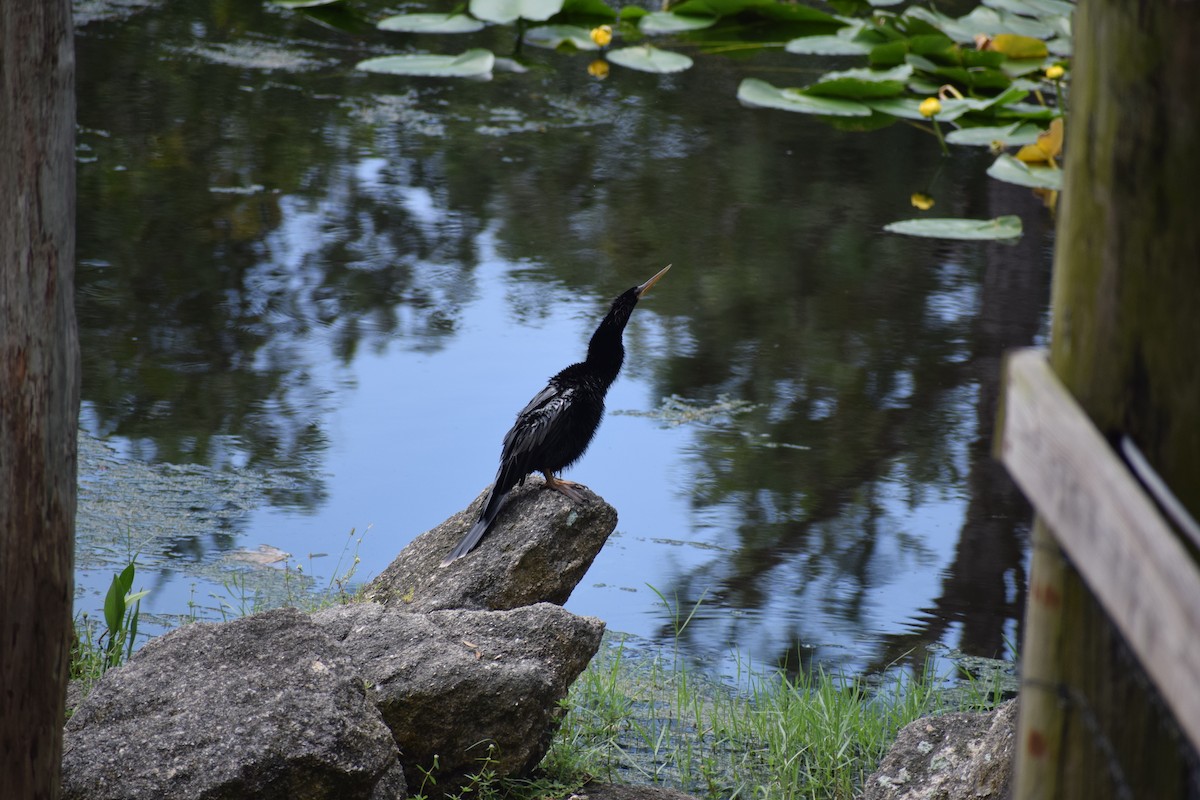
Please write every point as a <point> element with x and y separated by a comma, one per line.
<point>1008,227</point>
<point>1033,8</point>
<point>1018,133</point>
<point>755,93</point>
<point>555,36</point>
<point>667,22</point>
<point>589,8</point>
<point>304,3</point>
<point>471,64</point>
<point>861,84</point>
<point>770,9</point>
<point>1010,170</point>
<point>909,108</point>
<point>827,46</point>
<point>645,58</point>
<point>505,11</point>
<point>430,23</point>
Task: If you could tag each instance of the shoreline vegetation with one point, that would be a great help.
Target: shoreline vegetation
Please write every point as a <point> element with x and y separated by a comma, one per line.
<point>644,714</point>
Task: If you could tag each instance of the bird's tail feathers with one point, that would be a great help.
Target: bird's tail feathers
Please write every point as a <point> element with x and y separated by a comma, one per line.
<point>491,507</point>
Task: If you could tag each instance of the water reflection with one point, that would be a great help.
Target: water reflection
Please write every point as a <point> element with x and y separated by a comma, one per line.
<point>354,281</point>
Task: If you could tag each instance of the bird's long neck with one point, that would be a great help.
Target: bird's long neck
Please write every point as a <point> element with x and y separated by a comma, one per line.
<point>606,352</point>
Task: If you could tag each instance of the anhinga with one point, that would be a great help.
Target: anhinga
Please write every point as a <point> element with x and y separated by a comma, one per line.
<point>555,429</point>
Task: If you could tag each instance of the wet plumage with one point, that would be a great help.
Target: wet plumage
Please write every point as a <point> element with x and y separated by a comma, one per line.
<point>554,430</point>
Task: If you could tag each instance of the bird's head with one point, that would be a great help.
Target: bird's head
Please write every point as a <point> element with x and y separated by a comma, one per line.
<point>623,306</point>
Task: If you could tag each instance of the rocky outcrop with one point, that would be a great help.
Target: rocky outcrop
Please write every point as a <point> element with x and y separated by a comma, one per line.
<point>347,702</point>
<point>471,689</point>
<point>949,756</point>
<point>268,706</point>
<point>538,549</point>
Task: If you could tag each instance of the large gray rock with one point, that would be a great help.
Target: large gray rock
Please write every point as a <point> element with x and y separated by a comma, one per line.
<point>538,549</point>
<point>449,683</point>
<point>268,706</point>
<point>948,757</point>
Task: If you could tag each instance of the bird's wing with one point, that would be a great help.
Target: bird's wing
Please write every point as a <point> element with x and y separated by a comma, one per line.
<point>538,423</point>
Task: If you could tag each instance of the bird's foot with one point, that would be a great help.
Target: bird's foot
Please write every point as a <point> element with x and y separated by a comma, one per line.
<point>569,488</point>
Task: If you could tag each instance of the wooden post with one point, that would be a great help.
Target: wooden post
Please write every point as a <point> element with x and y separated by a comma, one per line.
<point>39,389</point>
<point>1125,332</point>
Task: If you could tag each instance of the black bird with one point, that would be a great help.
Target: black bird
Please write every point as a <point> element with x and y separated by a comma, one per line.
<point>555,429</point>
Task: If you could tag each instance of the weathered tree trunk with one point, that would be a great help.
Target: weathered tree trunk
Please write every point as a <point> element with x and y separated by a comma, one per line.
<point>39,388</point>
<point>1126,307</point>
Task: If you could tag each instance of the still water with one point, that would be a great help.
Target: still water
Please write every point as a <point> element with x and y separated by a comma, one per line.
<point>311,301</point>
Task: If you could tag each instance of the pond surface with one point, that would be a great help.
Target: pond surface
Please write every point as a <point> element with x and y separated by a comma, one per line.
<point>312,299</point>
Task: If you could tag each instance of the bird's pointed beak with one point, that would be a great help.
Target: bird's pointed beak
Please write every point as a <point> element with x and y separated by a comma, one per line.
<point>645,287</point>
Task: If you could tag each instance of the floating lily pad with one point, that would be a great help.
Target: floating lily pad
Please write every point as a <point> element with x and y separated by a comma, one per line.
<point>555,36</point>
<point>430,23</point>
<point>304,3</point>
<point>787,12</point>
<point>589,8</point>
<point>1018,133</point>
<point>668,22</point>
<point>505,11</point>
<point>1033,8</point>
<point>827,46</point>
<point>1010,170</point>
<point>645,58</point>
<point>1019,47</point>
<point>909,108</point>
<point>760,94</point>
<point>1008,227</point>
<point>471,64</point>
<point>861,83</point>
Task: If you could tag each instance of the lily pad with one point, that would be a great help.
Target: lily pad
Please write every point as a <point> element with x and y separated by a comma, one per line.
<point>787,12</point>
<point>1010,170</point>
<point>589,8</point>
<point>827,46</point>
<point>1019,47</point>
<point>430,23</point>
<point>1033,8</point>
<point>1008,227</point>
<point>304,3</point>
<point>668,22</point>
<point>505,11</point>
<point>471,64</point>
<point>909,108</point>
<point>645,58</point>
<point>555,36</point>
<point>861,83</point>
<point>755,93</point>
<point>1018,133</point>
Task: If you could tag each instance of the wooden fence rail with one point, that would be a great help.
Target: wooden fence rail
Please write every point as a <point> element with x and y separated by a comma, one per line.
<point>1108,526</point>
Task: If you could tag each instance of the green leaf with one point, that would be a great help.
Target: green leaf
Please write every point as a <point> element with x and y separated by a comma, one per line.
<point>827,46</point>
<point>1008,227</point>
<point>1016,134</point>
<point>504,11</point>
<point>645,58</point>
<point>114,606</point>
<point>304,3</point>
<point>555,36</point>
<point>471,64</point>
<point>909,108</point>
<point>1010,170</point>
<point>888,55</point>
<point>760,94</point>
<point>861,83</point>
<point>589,8</point>
<point>630,13</point>
<point>670,22</point>
<point>1033,8</point>
<point>770,9</point>
<point>430,23</point>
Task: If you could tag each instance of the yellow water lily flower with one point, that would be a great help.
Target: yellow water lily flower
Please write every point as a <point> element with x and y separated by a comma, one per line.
<point>921,200</point>
<point>598,69</point>
<point>1047,147</point>
<point>601,35</point>
<point>1054,72</point>
<point>930,106</point>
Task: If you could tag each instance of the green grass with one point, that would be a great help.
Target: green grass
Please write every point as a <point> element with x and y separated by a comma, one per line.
<point>819,736</point>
